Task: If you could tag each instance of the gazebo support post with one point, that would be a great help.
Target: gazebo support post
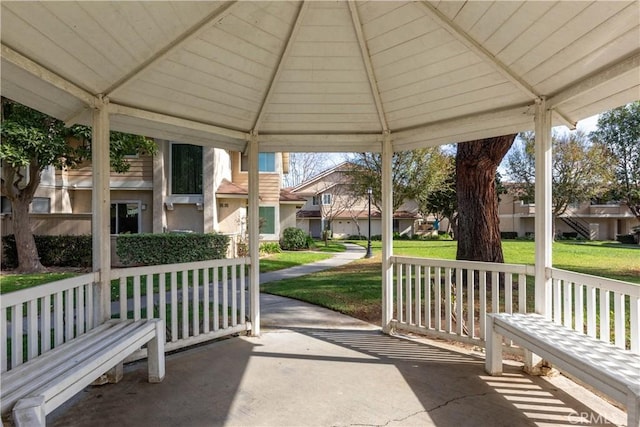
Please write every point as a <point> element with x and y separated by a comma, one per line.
<point>543,217</point>
<point>254,234</point>
<point>101,204</point>
<point>387,233</point>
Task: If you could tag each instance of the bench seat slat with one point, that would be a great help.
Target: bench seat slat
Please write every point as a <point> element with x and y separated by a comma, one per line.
<point>610,369</point>
<point>601,358</point>
<point>75,364</point>
<point>69,350</point>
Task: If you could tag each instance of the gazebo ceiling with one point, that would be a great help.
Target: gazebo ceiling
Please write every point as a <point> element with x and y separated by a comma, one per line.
<point>321,76</point>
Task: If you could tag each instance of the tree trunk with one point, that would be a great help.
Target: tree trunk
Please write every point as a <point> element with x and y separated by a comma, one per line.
<point>478,230</point>
<point>28,259</point>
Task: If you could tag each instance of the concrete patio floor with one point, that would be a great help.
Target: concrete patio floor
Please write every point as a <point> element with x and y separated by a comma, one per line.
<point>314,367</point>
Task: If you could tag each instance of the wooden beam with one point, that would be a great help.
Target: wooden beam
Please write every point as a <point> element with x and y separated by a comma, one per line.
<point>462,36</point>
<point>596,80</point>
<point>48,76</point>
<point>387,233</point>
<point>543,216</point>
<point>193,32</point>
<point>176,121</point>
<point>100,203</point>
<point>283,59</point>
<point>366,58</point>
<point>253,230</point>
<point>329,143</point>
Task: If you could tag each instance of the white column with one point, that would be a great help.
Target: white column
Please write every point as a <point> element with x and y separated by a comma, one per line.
<point>208,190</point>
<point>159,187</point>
<point>543,216</point>
<point>253,229</point>
<point>387,233</point>
<point>101,206</point>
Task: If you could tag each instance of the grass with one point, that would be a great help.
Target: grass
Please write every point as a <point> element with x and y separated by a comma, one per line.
<point>332,246</point>
<point>283,260</point>
<point>355,289</point>
<point>16,282</point>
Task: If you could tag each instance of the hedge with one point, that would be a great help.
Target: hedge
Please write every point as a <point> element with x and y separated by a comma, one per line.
<point>54,251</point>
<point>170,248</point>
<point>294,239</point>
<point>505,235</point>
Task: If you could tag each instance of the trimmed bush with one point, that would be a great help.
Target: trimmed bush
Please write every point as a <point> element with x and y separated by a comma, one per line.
<point>54,251</point>
<point>170,248</point>
<point>508,235</point>
<point>294,239</point>
<point>626,238</point>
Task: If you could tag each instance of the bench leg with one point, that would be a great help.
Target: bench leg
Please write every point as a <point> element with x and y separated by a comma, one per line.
<point>30,412</point>
<point>155,354</point>
<point>633,409</point>
<point>493,350</point>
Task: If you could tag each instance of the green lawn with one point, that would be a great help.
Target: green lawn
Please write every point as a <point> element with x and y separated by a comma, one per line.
<point>354,289</point>
<point>15,282</point>
<point>608,259</point>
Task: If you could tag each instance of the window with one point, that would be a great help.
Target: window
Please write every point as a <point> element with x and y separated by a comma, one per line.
<point>326,199</point>
<point>5,205</point>
<point>266,162</point>
<point>125,217</point>
<point>186,169</point>
<point>316,200</point>
<point>267,219</point>
<point>41,205</point>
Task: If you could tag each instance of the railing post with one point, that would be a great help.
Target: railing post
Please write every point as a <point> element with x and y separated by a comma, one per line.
<point>387,233</point>
<point>101,204</point>
<point>254,230</point>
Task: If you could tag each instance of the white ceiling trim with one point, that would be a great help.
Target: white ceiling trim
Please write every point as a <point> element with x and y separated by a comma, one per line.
<point>329,143</point>
<point>48,76</point>
<point>373,83</point>
<point>522,110</point>
<point>595,80</point>
<point>193,32</point>
<point>456,31</point>
<point>176,121</point>
<point>283,59</point>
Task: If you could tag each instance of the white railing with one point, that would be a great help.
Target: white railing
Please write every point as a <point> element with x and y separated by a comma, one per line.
<point>450,300</point>
<point>199,301</point>
<point>603,308</point>
<point>35,320</point>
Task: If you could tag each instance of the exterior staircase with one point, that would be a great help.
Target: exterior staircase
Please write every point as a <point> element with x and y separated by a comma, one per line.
<point>579,225</point>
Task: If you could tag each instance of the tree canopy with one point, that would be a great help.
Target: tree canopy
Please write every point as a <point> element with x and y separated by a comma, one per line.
<point>618,131</point>
<point>33,141</point>
<point>581,170</point>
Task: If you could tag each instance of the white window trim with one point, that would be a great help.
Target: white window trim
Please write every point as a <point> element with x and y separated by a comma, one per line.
<point>124,202</point>
<point>329,196</point>
<point>276,225</point>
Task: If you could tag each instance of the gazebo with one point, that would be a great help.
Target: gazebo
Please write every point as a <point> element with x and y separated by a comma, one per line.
<point>349,76</point>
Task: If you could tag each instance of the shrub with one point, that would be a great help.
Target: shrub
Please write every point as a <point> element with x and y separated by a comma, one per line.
<point>294,239</point>
<point>170,248</point>
<point>625,238</point>
<point>58,251</point>
<point>508,235</point>
<point>270,248</point>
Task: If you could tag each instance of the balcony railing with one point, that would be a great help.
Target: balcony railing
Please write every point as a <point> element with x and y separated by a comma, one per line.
<point>199,301</point>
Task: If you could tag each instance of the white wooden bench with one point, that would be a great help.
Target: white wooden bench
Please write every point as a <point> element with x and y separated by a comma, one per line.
<point>612,370</point>
<point>40,385</point>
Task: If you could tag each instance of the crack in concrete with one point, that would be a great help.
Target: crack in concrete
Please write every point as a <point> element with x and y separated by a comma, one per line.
<point>435,408</point>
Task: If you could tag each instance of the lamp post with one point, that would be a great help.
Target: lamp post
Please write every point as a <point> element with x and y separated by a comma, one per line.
<point>368,254</point>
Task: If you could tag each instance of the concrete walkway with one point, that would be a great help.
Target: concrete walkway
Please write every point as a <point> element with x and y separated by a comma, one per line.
<point>315,367</point>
